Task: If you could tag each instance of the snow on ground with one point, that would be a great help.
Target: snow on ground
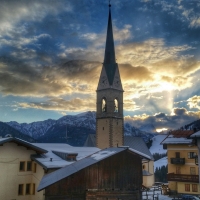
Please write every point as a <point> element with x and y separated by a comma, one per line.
<point>151,193</point>
<point>164,197</point>
<point>160,197</point>
<point>160,163</point>
<point>156,147</point>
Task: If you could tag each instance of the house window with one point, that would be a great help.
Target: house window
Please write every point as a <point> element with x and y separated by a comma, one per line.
<point>192,171</point>
<point>20,189</point>
<point>194,188</point>
<point>28,188</point>
<point>22,166</point>
<point>34,167</point>
<point>29,166</point>
<point>143,167</point>
<point>178,170</point>
<point>192,155</point>
<point>187,187</point>
<point>33,188</point>
<point>177,154</point>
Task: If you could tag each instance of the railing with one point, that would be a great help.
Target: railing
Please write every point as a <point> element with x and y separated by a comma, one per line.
<point>180,161</point>
<point>183,178</point>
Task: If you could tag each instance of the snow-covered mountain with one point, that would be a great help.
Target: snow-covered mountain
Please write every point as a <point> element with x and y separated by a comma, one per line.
<point>84,123</point>
<point>40,128</point>
<point>149,128</point>
<point>34,129</point>
<point>130,130</point>
<point>7,131</point>
<point>156,147</point>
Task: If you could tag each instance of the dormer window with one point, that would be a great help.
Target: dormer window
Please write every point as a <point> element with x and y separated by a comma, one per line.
<point>68,156</point>
<point>104,106</point>
<point>71,157</point>
<point>116,105</point>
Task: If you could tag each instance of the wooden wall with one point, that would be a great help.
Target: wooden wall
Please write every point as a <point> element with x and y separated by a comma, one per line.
<point>116,177</point>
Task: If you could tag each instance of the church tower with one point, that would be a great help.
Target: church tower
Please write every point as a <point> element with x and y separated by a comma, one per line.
<point>109,113</point>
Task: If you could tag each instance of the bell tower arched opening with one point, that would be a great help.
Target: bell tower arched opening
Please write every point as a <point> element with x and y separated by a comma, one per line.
<point>104,105</point>
<point>116,106</point>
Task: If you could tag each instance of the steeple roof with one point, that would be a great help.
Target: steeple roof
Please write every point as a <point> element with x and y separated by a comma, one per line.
<point>109,58</point>
<point>110,77</point>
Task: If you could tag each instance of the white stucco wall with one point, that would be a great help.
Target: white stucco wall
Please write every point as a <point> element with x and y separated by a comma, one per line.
<point>148,181</point>
<point>10,177</point>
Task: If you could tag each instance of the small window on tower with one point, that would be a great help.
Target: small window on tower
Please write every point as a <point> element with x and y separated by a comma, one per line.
<point>104,106</point>
<point>115,105</point>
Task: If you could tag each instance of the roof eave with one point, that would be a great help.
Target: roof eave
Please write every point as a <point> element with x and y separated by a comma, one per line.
<point>25,144</point>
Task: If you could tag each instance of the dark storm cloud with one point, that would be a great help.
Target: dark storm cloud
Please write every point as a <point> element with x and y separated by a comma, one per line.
<point>60,104</point>
<point>160,115</point>
<point>180,111</point>
<point>135,74</point>
<point>18,78</point>
<point>180,118</point>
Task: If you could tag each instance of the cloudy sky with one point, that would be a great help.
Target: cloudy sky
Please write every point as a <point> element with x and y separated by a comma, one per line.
<point>51,54</point>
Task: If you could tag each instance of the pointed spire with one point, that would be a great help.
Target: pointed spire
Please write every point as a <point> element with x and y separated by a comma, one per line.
<point>109,58</point>
<point>110,49</point>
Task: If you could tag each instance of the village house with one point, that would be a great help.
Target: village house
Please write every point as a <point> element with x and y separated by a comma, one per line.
<point>23,165</point>
<point>183,171</point>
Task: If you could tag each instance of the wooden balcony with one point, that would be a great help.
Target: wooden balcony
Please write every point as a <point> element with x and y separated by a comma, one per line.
<point>183,178</point>
<point>179,161</point>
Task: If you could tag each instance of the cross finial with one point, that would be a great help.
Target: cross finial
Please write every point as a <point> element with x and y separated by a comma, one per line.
<point>109,4</point>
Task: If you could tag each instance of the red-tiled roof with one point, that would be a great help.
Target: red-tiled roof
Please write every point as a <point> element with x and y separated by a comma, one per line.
<point>181,133</point>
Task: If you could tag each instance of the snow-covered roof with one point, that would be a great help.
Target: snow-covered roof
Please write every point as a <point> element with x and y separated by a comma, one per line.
<point>178,137</point>
<point>102,154</point>
<point>174,140</point>
<point>24,143</point>
<point>64,172</point>
<point>51,160</point>
<point>195,135</point>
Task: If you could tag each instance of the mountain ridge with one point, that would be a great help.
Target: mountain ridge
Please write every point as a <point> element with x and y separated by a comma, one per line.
<point>74,128</point>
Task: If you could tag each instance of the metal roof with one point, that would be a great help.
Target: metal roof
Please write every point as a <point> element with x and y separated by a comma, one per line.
<point>90,141</point>
<point>136,143</point>
<point>146,173</point>
<point>23,143</point>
